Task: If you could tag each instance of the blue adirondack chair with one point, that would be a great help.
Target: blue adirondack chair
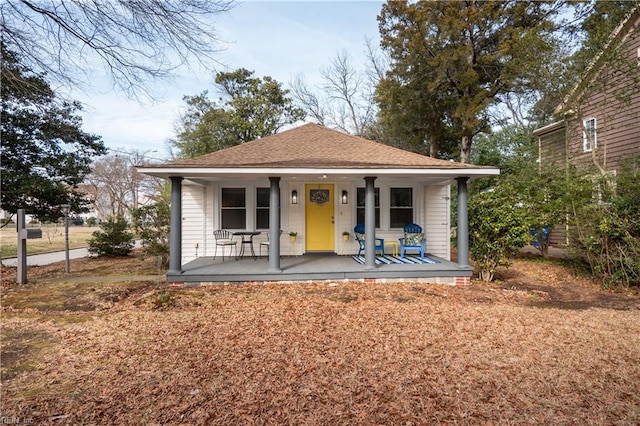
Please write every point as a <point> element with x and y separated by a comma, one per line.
<point>358,231</point>
<point>537,235</point>
<point>413,240</point>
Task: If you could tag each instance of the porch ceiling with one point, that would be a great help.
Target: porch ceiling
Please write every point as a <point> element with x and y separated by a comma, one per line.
<point>431,176</point>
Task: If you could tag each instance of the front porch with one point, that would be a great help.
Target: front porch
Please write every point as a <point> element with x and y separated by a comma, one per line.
<point>315,267</point>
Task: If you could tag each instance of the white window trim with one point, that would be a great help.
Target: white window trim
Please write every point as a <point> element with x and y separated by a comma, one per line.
<point>588,146</point>
<point>256,208</point>
<point>385,203</point>
<point>245,208</point>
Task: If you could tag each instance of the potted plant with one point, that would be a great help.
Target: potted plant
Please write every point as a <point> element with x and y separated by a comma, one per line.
<point>345,235</point>
<point>292,236</point>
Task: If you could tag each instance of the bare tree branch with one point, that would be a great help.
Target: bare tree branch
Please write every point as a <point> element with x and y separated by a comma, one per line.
<point>345,98</point>
<point>135,41</point>
<point>308,100</point>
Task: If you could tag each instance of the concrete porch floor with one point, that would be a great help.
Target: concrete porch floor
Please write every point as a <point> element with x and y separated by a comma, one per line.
<point>313,267</point>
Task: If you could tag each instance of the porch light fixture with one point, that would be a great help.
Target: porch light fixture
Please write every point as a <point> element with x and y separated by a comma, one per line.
<point>294,197</point>
<point>345,197</point>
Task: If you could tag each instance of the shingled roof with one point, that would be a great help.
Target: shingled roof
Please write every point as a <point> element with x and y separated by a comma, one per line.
<point>312,146</point>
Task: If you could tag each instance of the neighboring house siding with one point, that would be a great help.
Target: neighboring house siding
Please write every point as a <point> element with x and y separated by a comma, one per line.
<point>193,222</point>
<point>553,146</point>
<point>612,97</point>
<point>437,221</point>
<point>617,130</point>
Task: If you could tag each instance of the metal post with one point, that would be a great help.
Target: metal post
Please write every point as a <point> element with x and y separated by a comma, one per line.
<point>463,223</point>
<point>22,249</point>
<point>370,222</point>
<point>274,225</point>
<point>66,243</point>
<point>67,264</point>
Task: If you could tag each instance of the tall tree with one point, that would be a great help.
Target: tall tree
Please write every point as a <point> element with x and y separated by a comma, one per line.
<point>45,154</point>
<point>111,184</point>
<point>344,99</point>
<point>116,187</point>
<point>584,36</point>
<point>463,55</point>
<point>248,108</point>
<point>133,40</point>
<point>600,20</point>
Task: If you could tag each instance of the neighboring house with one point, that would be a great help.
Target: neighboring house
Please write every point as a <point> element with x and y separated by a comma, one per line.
<point>600,125</point>
<point>601,115</point>
<point>326,182</point>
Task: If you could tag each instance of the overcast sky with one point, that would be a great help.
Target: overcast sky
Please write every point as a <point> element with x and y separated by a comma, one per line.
<point>278,39</point>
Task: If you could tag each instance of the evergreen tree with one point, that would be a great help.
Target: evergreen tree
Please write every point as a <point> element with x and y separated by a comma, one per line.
<point>112,239</point>
<point>45,154</point>
<point>451,60</point>
<point>249,108</point>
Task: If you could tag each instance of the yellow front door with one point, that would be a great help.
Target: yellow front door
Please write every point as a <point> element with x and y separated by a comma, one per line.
<point>319,219</point>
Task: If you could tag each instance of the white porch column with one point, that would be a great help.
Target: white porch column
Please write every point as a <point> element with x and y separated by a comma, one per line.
<point>175,232</point>
<point>274,225</point>
<point>370,223</point>
<point>463,223</point>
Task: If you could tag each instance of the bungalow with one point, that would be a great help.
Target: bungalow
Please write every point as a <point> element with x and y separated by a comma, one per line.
<point>324,182</point>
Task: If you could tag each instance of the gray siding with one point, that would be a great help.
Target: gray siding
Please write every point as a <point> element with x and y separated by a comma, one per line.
<point>613,99</point>
<point>553,148</point>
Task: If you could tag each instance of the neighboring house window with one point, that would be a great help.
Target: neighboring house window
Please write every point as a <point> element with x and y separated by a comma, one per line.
<point>360,206</point>
<point>401,207</point>
<point>234,210</point>
<point>589,134</point>
<point>263,197</point>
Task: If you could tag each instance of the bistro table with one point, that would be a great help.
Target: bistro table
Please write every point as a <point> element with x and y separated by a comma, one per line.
<point>247,238</point>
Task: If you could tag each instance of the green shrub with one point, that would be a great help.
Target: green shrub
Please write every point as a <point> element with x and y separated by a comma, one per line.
<point>497,230</point>
<point>605,229</point>
<point>92,221</point>
<point>113,239</point>
<point>152,223</point>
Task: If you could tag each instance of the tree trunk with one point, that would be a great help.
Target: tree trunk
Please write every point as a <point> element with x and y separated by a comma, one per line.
<point>433,148</point>
<point>465,151</point>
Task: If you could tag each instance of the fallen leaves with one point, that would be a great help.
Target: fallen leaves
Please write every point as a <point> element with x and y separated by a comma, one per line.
<point>334,353</point>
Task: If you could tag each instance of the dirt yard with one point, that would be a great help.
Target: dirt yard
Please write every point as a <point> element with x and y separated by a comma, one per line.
<point>543,345</point>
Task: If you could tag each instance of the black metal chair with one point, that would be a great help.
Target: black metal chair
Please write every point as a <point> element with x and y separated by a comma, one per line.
<point>266,243</point>
<point>224,239</point>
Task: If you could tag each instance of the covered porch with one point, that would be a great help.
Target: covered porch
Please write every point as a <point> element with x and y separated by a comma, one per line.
<point>315,183</point>
<point>316,267</point>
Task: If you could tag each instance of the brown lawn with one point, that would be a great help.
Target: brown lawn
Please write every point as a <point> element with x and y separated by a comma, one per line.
<point>541,346</point>
<point>53,239</point>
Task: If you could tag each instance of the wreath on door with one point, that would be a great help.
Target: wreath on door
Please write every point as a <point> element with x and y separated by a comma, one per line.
<point>319,196</point>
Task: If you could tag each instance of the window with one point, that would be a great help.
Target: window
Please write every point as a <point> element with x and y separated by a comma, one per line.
<point>233,210</point>
<point>263,198</point>
<point>401,207</point>
<point>360,205</point>
<point>589,134</point>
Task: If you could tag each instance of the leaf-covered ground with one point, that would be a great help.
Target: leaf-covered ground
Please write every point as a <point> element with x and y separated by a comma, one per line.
<point>541,346</point>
